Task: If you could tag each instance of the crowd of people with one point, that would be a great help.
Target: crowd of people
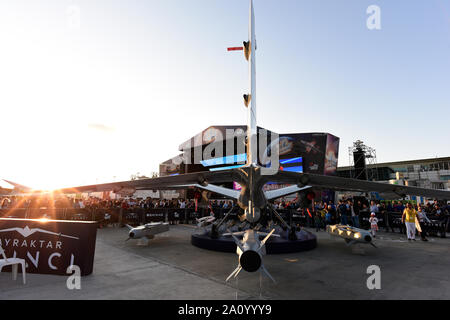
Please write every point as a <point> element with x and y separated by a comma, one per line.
<point>319,215</point>
<point>350,211</point>
<point>65,202</point>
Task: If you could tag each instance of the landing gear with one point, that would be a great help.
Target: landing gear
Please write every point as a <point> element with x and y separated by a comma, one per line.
<point>292,235</point>
<point>214,233</point>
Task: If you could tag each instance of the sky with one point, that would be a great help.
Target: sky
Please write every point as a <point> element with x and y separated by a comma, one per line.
<point>94,91</point>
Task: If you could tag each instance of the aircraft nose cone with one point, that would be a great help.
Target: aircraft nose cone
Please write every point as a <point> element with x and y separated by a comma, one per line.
<point>131,235</point>
<point>368,238</point>
<point>250,261</point>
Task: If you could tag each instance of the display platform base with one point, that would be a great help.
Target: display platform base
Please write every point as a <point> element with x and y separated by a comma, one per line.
<point>305,241</point>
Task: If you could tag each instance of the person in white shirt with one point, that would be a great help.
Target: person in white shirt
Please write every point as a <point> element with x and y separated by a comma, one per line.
<point>373,224</point>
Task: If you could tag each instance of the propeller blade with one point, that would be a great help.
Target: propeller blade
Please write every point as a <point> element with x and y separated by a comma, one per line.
<point>373,245</point>
<point>127,239</point>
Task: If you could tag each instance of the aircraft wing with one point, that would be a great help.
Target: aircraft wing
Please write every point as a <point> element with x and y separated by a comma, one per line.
<point>303,180</point>
<point>345,184</point>
<point>16,185</point>
<point>162,183</point>
<point>18,188</point>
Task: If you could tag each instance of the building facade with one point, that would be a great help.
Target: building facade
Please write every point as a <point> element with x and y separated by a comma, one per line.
<point>425,173</point>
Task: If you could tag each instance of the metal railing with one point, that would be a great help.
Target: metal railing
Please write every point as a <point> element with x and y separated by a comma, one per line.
<point>113,215</point>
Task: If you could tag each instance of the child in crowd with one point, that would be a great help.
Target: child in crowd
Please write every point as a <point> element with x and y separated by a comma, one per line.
<point>373,224</point>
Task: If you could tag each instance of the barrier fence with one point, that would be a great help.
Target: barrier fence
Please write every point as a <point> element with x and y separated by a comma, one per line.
<point>390,221</point>
<point>134,216</point>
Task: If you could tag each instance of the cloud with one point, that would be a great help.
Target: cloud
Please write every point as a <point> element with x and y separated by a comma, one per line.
<point>101,127</point>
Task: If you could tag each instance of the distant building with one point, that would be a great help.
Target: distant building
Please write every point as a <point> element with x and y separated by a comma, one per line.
<point>426,173</point>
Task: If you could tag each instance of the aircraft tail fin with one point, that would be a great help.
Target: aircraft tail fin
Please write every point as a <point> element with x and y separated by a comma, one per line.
<point>266,238</point>
<point>236,240</point>
<point>264,270</point>
<point>235,273</point>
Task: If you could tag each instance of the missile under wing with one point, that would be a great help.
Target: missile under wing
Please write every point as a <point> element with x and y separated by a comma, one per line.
<point>147,231</point>
<point>351,235</point>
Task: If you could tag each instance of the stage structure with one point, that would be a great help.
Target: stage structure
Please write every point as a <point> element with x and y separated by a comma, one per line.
<point>360,157</point>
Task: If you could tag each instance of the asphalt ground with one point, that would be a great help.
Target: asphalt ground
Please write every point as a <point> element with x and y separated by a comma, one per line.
<point>169,267</point>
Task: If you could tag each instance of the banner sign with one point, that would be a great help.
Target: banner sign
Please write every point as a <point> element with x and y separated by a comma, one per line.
<point>50,246</point>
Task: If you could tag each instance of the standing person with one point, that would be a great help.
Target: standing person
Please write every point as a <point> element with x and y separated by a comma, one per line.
<point>354,213</point>
<point>323,216</point>
<point>401,206</point>
<point>409,219</point>
<point>422,218</point>
<point>437,210</point>
<point>332,212</point>
<point>317,221</point>
<point>396,206</point>
<point>328,218</point>
<point>5,203</point>
<point>384,214</point>
<point>330,203</point>
<point>342,210</point>
<point>390,208</point>
<point>374,207</point>
<point>373,224</point>
<point>308,213</point>
<point>225,205</point>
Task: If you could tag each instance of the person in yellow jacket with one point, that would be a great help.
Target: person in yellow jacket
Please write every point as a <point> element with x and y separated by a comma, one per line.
<point>409,219</point>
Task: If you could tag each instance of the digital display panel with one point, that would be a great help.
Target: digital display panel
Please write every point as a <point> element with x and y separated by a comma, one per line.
<point>292,165</point>
<point>224,160</point>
